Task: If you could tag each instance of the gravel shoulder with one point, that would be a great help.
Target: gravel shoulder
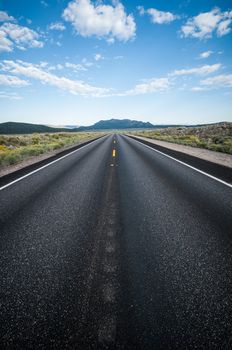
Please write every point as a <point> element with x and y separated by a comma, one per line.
<point>211,156</point>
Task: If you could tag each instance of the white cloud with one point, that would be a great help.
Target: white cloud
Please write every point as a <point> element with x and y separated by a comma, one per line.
<point>159,17</point>
<point>203,70</point>
<point>224,26</point>
<point>5,43</point>
<point>41,72</point>
<point>98,57</point>
<point>15,35</point>
<point>198,88</point>
<point>223,80</point>
<point>141,10</point>
<point>57,26</point>
<point>44,3</point>
<point>205,54</point>
<point>87,63</point>
<point>149,86</point>
<point>10,95</point>
<point>10,80</point>
<point>103,21</point>
<point>4,17</point>
<point>33,71</point>
<point>206,23</point>
<point>75,66</point>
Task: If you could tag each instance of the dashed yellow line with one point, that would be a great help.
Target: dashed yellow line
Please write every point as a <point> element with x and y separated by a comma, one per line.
<point>114,153</point>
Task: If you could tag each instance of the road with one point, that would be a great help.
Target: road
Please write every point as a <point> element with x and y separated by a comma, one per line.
<point>116,246</point>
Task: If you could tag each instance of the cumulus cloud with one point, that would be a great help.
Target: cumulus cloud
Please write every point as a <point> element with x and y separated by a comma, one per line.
<point>33,71</point>
<point>57,26</point>
<point>4,17</point>
<point>149,86</point>
<point>15,35</point>
<point>75,66</point>
<point>203,70</point>
<point>98,57</point>
<point>205,24</point>
<point>102,21</point>
<point>205,54</point>
<point>10,80</point>
<point>158,17</point>
<point>5,44</point>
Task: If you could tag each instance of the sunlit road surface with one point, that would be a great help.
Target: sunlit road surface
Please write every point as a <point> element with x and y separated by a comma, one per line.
<point>116,246</point>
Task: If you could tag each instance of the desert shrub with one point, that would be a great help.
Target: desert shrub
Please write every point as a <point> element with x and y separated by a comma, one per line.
<point>35,140</point>
<point>33,150</point>
<point>13,140</point>
<point>10,158</point>
<point>3,148</point>
<point>14,149</point>
<point>22,142</point>
<point>202,144</point>
<point>54,146</point>
<point>217,147</point>
<point>2,140</point>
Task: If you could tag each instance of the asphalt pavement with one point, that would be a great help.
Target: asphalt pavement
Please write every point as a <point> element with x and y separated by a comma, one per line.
<point>116,246</point>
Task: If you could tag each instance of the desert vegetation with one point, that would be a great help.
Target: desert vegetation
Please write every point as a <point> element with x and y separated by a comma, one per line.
<point>16,148</point>
<point>217,137</point>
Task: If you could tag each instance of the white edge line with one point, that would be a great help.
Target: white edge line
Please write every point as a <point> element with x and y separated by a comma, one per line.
<point>46,165</point>
<point>189,166</point>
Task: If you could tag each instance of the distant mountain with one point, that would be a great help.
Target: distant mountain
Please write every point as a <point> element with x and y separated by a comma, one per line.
<point>26,128</point>
<point>111,124</point>
<point>118,124</point>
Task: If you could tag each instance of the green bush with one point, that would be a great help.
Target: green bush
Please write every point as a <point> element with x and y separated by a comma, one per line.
<point>10,158</point>
<point>35,140</point>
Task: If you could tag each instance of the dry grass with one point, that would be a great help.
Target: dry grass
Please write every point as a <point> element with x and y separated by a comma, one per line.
<point>14,149</point>
<point>216,137</point>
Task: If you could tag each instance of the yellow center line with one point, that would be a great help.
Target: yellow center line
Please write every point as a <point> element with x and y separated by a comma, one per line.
<point>114,153</point>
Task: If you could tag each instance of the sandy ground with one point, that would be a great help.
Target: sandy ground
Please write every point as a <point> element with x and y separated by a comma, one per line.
<point>211,156</point>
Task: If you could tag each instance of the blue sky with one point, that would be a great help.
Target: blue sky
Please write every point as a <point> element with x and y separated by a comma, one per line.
<point>75,62</point>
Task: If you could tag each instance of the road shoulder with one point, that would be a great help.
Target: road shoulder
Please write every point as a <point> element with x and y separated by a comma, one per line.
<point>210,156</point>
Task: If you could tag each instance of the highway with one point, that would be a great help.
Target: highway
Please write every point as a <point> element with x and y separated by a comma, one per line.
<point>116,246</point>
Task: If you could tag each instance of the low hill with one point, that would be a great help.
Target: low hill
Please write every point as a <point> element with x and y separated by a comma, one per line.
<point>10,128</point>
<point>120,124</point>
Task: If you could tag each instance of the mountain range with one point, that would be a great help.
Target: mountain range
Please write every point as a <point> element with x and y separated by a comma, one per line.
<point>9,128</point>
<point>26,128</point>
